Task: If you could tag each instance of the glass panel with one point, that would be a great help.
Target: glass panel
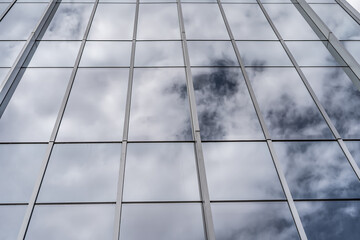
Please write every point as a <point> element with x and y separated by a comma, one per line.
<point>257,220</point>
<point>158,21</point>
<point>204,21</point>
<point>160,172</point>
<point>343,26</point>
<point>19,167</point>
<point>289,22</point>
<point>247,22</point>
<point>21,21</point>
<point>263,53</point>
<point>72,222</point>
<point>317,170</point>
<point>286,105</point>
<point>11,218</point>
<point>354,48</point>
<point>241,171</point>
<point>106,54</point>
<point>9,52</point>
<point>354,148</point>
<point>32,110</point>
<point>96,107</point>
<point>53,54</point>
<point>330,220</point>
<point>160,105</point>
<point>161,221</point>
<point>167,53</point>
<point>3,73</point>
<point>225,110</point>
<point>312,54</point>
<point>81,172</point>
<point>113,21</point>
<point>208,53</point>
<point>339,96</point>
<point>76,17</point>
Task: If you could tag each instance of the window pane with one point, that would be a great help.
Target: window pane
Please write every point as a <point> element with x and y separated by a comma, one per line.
<point>261,53</point>
<point>247,22</point>
<point>3,73</point>
<point>76,17</point>
<point>9,52</point>
<point>160,172</point>
<point>257,220</point>
<point>158,21</point>
<point>225,110</point>
<point>287,107</point>
<point>330,220</point>
<point>106,54</point>
<point>204,21</point>
<point>96,107</point>
<point>72,222</point>
<point>53,54</point>
<point>113,21</point>
<point>19,168</point>
<point>11,218</point>
<point>159,105</point>
<point>32,110</point>
<point>219,53</point>
<point>317,170</point>
<point>354,148</point>
<point>241,171</point>
<point>81,172</point>
<point>167,53</point>
<point>162,222</point>
<point>353,48</point>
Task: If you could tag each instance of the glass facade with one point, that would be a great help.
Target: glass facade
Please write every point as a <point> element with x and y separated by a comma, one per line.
<point>179,119</point>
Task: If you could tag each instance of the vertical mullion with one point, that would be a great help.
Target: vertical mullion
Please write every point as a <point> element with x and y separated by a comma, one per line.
<point>118,207</point>
<point>7,10</point>
<point>39,180</point>
<point>269,142</point>
<point>204,190</point>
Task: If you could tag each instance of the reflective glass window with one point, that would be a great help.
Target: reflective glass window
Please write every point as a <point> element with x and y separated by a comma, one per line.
<point>19,168</point>
<point>161,221</point>
<point>32,110</point>
<point>225,110</point>
<point>11,218</point>
<point>253,220</point>
<point>72,222</point>
<point>261,53</point>
<point>354,148</point>
<point>204,21</point>
<point>241,171</point>
<point>212,53</point>
<point>330,220</point>
<point>247,22</point>
<point>106,54</point>
<point>96,106</point>
<point>159,105</point>
<point>317,170</point>
<point>287,107</point>
<point>3,73</point>
<point>160,171</point>
<point>158,21</point>
<point>339,96</point>
<point>113,22</point>
<point>53,54</point>
<point>354,48</point>
<point>81,172</point>
<point>69,22</point>
<point>9,52</point>
<point>165,53</point>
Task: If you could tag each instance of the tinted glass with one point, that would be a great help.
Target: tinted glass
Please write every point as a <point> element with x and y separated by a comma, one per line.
<point>354,148</point>
<point>11,218</point>
<point>9,52</point>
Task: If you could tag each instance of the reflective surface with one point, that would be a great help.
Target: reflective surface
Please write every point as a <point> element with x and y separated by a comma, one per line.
<point>9,52</point>
<point>161,221</point>
<point>96,107</point>
<point>10,221</point>
<point>241,171</point>
<point>287,107</point>
<point>81,172</point>
<point>71,222</point>
<point>159,105</point>
<point>32,110</point>
<point>255,220</point>
<point>330,220</point>
<point>317,170</point>
<point>19,167</point>
<point>160,171</point>
<point>225,110</point>
<point>354,148</point>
